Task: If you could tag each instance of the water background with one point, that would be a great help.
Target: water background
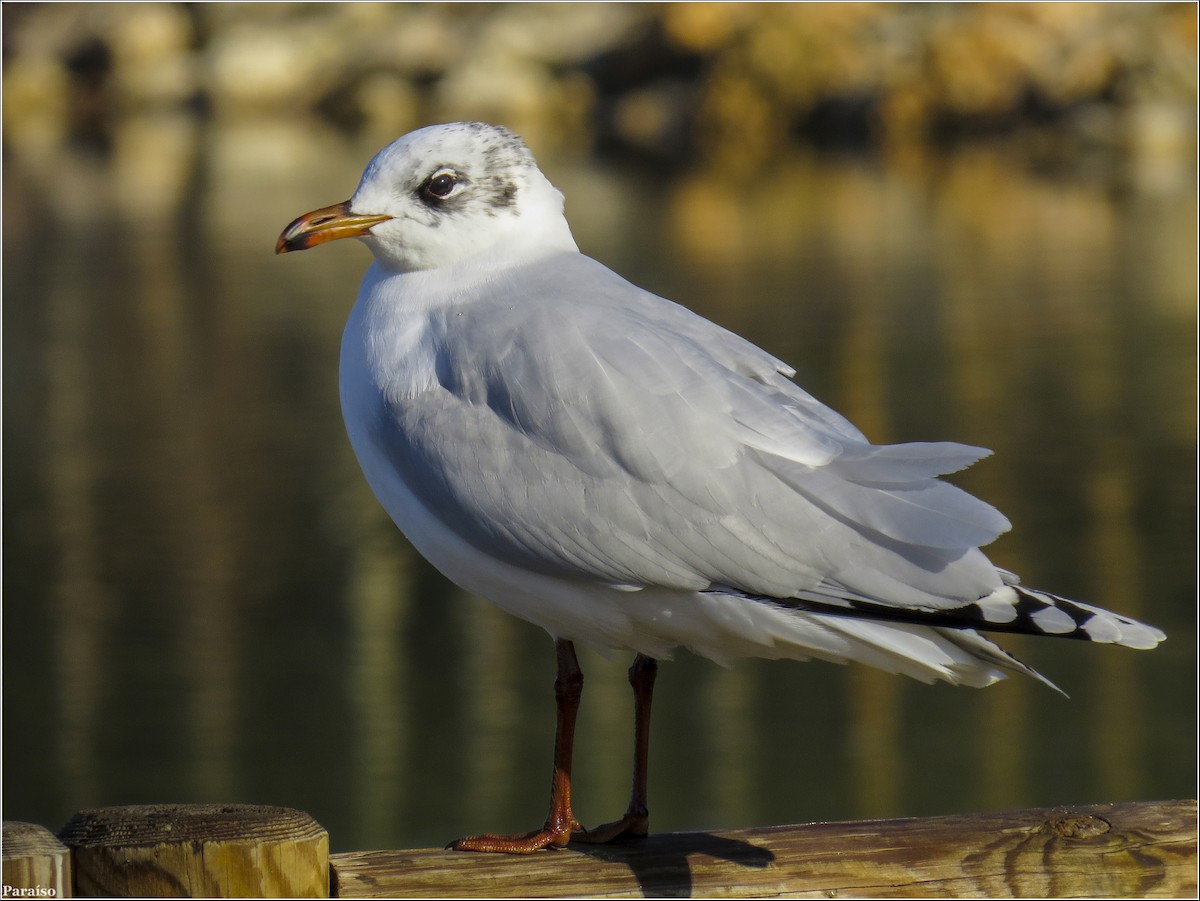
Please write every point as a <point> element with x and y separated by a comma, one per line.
<point>203,601</point>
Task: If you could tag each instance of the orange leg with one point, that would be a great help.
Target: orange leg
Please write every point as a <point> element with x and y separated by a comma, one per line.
<point>561,825</point>
<point>560,822</point>
<point>636,821</point>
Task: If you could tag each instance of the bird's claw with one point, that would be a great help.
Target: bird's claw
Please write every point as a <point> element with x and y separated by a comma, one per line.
<point>513,844</point>
<point>632,825</point>
<point>557,831</point>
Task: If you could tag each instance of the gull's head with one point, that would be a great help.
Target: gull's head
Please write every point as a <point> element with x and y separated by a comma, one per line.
<point>444,195</point>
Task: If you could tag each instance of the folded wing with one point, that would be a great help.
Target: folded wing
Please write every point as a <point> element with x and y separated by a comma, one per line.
<point>635,443</point>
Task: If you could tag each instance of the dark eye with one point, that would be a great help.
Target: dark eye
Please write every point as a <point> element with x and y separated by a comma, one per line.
<point>439,186</point>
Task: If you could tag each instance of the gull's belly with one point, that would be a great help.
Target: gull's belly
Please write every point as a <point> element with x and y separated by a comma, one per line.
<point>575,610</point>
<point>389,356</point>
<point>652,620</point>
<point>580,611</point>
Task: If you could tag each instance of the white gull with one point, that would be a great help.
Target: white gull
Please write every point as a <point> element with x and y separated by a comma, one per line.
<point>625,473</point>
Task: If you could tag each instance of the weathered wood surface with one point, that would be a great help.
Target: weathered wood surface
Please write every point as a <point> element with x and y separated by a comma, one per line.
<point>35,862</point>
<point>198,850</point>
<point>1141,849</point>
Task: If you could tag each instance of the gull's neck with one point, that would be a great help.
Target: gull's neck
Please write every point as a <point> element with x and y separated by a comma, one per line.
<point>416,292</point>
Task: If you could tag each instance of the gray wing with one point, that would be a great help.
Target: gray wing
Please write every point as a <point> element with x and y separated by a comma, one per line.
<point>591,430</point>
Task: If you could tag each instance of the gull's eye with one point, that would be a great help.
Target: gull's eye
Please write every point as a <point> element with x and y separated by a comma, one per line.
<point>440,185</point>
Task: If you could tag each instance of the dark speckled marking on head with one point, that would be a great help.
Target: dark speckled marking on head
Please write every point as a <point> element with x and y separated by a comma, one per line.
<point>492,184</point>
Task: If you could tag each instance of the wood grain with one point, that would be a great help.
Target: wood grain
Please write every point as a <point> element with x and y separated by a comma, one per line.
<point>35,862</point>
<point>198,850</point>
<point>1137,849</point>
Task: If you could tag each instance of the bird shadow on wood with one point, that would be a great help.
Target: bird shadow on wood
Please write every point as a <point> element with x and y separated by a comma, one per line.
<point>660,863</point>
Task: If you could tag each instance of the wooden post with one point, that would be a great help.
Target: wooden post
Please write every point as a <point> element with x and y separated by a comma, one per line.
<point>1103,850</point>
<point>191,850</point>
<point>36,864</point>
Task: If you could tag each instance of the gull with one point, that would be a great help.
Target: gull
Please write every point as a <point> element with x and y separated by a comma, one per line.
<point>626,474</point>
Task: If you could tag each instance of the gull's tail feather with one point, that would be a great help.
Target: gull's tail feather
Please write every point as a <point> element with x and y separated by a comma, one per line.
<point>1010,608</point>
<point>1015,608</point>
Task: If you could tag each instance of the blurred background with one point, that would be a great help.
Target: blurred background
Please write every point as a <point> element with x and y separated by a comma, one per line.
<point>972,223</point>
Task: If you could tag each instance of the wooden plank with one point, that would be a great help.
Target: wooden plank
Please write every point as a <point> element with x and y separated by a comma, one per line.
<point>198,850</point>
<point>36,864</point>
<point>1142,849</point>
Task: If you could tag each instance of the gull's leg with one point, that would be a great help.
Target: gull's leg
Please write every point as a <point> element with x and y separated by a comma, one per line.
<point>636,821</point>
<point>560,822</point>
